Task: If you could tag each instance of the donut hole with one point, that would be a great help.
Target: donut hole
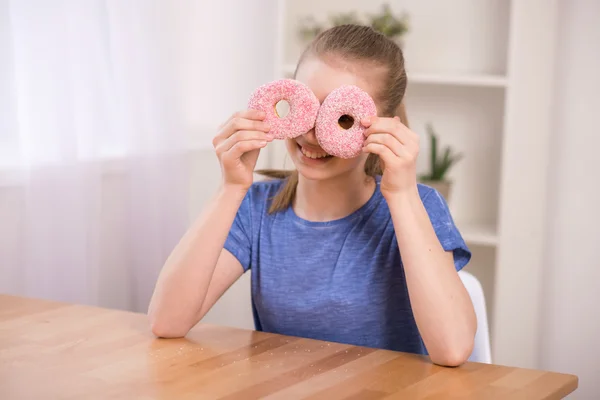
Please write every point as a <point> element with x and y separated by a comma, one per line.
<point>346,121</point>
<point>282,108</point>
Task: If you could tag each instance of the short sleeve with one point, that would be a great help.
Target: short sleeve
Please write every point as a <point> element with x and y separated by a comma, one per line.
<point>239,239</point>
<point>447,232</point>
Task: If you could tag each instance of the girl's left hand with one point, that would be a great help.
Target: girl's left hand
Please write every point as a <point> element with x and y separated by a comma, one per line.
<point>398,147</point>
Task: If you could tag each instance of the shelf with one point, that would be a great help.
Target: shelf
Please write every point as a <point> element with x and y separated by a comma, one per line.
<point>479,234</point>
<point>474,80</point>
<point>482,80</point>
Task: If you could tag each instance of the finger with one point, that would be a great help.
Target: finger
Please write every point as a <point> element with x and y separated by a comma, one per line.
<point>394,127</point>
<point>378,125</point>
<point>257,115</point>
<point>368,121</point>
<point>240,148</point>
<point>387,140</point>
<point>240,124</point>
<point>251,114</point>
<point>242,136</point>
<point>384,152</point>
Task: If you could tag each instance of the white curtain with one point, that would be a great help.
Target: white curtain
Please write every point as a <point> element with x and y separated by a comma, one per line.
<point>107,108</point>
<point>94,174</point>
<point>107,111</point>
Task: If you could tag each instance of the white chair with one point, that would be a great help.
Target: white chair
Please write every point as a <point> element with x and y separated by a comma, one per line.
<point>482,349</point>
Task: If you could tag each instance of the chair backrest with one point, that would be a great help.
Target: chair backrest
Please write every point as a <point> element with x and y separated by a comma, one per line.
<point>482,349</point>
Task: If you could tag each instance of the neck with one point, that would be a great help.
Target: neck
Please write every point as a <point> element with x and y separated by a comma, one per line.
<point>328,200</point>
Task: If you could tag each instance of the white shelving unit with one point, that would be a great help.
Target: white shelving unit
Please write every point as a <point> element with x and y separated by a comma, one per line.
<point>479,234</point>
<point>482,80</point>
<point>476,79</point>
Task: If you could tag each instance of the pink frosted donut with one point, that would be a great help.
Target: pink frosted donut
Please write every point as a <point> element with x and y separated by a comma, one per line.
<point>304,107</point>
<point>347,100</point>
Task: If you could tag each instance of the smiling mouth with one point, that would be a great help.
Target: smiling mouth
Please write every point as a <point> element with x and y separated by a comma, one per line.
<point>315,155</point>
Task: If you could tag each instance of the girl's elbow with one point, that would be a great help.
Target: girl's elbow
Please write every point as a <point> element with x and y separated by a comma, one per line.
<point>454,355</point>
<point>167,332</point>
<point>166,328</point>
<point>450,359</point>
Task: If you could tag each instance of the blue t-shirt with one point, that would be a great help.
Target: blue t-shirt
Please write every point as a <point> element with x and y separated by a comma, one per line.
<point>339,281</point>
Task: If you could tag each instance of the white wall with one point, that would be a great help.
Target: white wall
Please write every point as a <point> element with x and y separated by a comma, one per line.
<point>522,213</point>
<point>222,51</point>
<point>570,317</point>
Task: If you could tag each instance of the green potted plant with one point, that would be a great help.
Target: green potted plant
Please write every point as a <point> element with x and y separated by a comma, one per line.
<point>389,24</point>
<point>394,26</point>
<point>347,18</point>
<point>441,161</point>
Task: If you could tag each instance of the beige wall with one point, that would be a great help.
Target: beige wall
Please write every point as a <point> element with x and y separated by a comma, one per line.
<point>571,288</point>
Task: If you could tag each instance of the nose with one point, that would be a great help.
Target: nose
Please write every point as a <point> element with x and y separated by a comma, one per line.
<point>310,137</point>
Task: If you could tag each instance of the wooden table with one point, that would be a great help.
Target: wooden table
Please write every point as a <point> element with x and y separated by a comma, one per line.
<point>50,350</point>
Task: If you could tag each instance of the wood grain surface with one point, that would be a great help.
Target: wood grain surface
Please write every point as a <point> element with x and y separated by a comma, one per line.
<point>51,350</point>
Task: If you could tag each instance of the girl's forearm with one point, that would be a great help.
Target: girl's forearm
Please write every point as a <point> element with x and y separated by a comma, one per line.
<point>441,305</point>
<point>183,282</point>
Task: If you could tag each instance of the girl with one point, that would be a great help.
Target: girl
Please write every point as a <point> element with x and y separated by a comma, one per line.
<point>352,251</point>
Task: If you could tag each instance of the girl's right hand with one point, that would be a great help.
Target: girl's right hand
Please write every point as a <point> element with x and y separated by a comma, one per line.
<point>238,145</point>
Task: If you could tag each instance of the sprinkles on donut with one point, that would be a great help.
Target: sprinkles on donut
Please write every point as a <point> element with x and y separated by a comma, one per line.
<point>345,105</point>
<point>304,107</point>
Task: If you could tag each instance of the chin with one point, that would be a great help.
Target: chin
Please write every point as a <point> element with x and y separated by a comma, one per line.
<point>314,174</point>
<point>315,164</point>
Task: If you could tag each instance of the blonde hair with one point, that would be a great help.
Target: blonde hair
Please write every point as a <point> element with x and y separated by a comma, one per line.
<point>361,44</point>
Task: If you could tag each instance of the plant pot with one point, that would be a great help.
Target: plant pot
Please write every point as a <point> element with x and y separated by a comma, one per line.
<point>443,187</point>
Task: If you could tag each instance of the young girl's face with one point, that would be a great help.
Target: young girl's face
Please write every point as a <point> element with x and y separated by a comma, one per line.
<point>322,78</point>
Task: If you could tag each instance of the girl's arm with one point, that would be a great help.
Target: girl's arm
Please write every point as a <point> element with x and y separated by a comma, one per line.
<point>441,305</point>
<point>199,270</point>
